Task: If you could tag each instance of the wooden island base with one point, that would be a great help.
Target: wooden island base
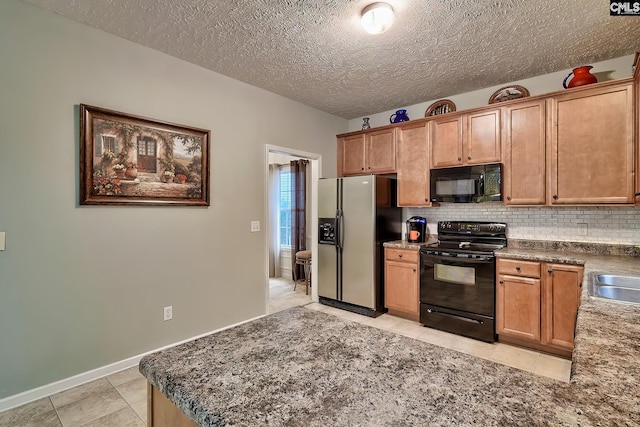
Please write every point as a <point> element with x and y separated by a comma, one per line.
<point>161,412</point>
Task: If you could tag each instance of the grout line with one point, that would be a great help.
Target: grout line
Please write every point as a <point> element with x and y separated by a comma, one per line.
<point>56,411</point>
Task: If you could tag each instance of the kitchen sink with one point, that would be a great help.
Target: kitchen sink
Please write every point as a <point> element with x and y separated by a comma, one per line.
<point>617,288</point>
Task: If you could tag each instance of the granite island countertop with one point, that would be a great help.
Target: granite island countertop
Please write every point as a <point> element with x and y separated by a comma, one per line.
<point>302,367</point>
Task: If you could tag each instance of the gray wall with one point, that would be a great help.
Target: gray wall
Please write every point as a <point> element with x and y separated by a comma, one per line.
<point>82,287</point>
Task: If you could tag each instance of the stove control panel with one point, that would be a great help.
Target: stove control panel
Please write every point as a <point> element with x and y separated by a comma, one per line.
<point>472,228</point>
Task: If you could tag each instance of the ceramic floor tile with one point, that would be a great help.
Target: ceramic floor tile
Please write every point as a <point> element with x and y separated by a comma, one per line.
<point>134,390</point>
<point>407,328</point>
<point>554,367</point>
<point>91,408</point>
<point>316,306</point>
<point>473,347</point>
<point>436,337</point>
<point>82,391</point>
<point>39,413</point>
<point>125,417</point>
<point>386,322</point>
<point>140,409</point>
<point>516,357</point>
<point>125,375</point>
<point>282,295</point>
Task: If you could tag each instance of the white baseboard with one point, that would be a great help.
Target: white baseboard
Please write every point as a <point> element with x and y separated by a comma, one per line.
<point>76,380</point>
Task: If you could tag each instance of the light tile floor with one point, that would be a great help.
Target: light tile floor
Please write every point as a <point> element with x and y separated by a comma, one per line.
<point>120,400</point>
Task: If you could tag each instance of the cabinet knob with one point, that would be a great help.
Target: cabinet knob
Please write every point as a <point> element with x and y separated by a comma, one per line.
<point>508,197</point>
<point>517,268</point>
<point>638,194</point>
<point>361,169</point>
<point>555,197</point>
<point>414,270</point>
<point>550,271</point>
<point>459,158</point>
<point>369,167</point>
<point>399,255</point>
<point>501,282</point>
<point>468,157</point>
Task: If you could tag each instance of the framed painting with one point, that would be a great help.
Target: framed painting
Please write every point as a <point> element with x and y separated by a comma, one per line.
<point>133,160</point>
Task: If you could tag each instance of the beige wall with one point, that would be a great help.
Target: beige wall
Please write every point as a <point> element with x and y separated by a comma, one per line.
<point>82,287</point>
<point>612,69</point>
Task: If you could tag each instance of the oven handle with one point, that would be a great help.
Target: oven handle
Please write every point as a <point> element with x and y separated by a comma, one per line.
<point>460,260</point>
<point>465,319</point>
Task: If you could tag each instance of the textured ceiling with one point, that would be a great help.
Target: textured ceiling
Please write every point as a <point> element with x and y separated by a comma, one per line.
<point>316,52</point>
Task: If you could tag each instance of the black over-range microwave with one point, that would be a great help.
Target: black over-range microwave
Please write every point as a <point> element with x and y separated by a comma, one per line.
<point>467,184</point>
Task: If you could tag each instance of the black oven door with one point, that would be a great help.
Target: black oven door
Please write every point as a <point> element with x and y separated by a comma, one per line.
<point>458,283</point>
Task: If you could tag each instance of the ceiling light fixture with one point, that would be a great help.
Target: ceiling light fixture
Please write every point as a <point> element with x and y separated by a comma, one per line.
<point>377,17</point>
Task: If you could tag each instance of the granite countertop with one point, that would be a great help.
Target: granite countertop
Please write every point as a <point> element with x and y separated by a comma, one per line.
<point>404,244</point>
<point>303,367</point>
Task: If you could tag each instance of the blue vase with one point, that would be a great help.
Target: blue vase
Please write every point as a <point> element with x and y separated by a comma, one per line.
<point>399,116</point>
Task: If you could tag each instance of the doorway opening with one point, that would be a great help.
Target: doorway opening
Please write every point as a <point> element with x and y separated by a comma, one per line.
<point>281,291</point>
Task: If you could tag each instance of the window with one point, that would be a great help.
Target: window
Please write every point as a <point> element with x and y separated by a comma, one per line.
<point>106,143</point>
<point>285,206</point>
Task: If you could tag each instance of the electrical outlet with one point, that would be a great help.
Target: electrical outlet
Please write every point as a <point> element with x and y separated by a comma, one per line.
<point>168,313</point>
<point>255,226</point>
<point>2,239</point>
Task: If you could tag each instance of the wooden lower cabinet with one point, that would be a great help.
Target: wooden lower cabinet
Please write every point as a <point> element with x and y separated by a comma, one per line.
<point>561,299</point>
<point>402,283</point>
<point>537,304</point>
<point>161,412</point>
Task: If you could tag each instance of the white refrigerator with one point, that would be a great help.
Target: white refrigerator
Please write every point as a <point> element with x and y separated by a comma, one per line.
<point>356,215</point>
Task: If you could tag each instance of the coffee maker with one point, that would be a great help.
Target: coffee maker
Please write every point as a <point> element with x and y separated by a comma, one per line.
<point>416,229</point>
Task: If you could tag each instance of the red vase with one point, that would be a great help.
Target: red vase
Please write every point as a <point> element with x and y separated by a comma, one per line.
<point>581,77</point>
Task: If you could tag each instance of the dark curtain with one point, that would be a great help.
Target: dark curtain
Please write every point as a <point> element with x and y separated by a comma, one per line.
<point>298,214</point>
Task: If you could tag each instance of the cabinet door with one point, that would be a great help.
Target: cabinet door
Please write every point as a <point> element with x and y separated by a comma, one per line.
<point>560,302</point>
<point>592,146</point>
<point>518,307</point>
<point>401,288</point>
<point>352,155</point>
<point>445,137</point>
<point>380,151</point>
<point>481,138</point>
<point>413,165</point>
<point>524,176</point>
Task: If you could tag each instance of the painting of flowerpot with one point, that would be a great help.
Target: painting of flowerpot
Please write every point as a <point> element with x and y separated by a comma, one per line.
<point>127,159</point>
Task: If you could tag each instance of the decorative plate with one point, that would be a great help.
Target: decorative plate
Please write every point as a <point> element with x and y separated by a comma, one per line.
<point>440,107</point>
<point>508,93</point>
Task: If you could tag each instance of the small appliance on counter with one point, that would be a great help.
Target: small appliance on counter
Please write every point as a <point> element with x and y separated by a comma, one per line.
<point>416,229</point>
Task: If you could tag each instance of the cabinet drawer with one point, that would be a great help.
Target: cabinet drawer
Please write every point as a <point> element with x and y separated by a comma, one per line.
<point>516,267</point>
<point>403,255</point>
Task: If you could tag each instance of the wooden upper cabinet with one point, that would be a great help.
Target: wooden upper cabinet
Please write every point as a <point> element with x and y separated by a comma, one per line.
<point>465,139</point>
<point>445,135</point>
<point>560,302</point>
<point>380,151</point>
<point>367,153</point>
<point>351,155</point>
<point>413,165</point>
<point>591,150</point>
<point>481,137</point>
<point>524,140</point>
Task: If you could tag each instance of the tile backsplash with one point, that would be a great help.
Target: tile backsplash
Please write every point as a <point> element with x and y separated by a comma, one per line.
<point>601,224</point>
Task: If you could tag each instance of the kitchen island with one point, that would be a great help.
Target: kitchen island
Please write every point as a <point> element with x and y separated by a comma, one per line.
<point>302,367</point>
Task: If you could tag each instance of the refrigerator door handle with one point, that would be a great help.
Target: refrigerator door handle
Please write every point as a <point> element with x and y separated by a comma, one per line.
<point>340,233</point>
